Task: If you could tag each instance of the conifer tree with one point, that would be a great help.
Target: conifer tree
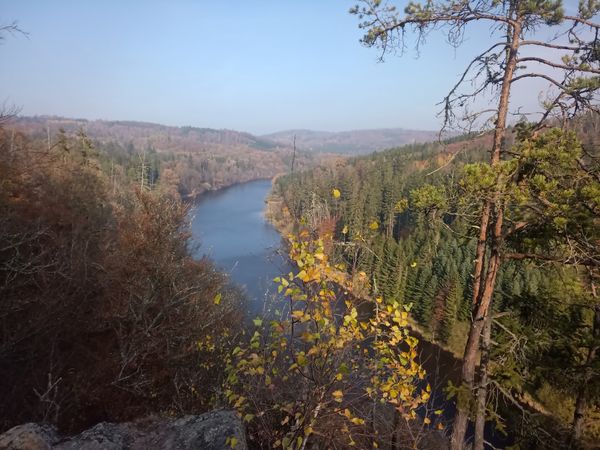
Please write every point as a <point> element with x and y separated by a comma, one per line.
<point>573,82</point>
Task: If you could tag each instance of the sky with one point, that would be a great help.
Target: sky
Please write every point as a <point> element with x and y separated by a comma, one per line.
<point>259,66</point>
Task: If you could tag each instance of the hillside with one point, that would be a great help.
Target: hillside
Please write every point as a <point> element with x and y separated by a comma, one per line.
<point>354,142</point>
<point>197,159</point>
<point>144,134</point>
<point>99,269</point>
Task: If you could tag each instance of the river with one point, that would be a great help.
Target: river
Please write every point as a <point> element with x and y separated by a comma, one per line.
<point>230,227</point>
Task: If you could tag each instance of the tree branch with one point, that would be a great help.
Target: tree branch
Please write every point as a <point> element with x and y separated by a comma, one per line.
<point>554,46</point>
<point>557,65</point>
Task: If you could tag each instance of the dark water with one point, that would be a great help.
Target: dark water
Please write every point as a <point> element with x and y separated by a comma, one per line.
<point>231,229</point>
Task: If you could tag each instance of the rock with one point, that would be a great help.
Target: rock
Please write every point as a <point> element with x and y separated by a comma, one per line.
<point>104,436</point>
<point>210,431</point>
<point>30,436</point>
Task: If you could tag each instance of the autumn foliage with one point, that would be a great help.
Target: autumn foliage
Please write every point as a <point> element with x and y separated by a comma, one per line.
<point>328,372</point>
<point>100,301</point>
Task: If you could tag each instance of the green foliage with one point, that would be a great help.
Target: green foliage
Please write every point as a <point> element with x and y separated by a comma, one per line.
<point>588,8</point>
<point>429,198</point>
<point>551,193</point>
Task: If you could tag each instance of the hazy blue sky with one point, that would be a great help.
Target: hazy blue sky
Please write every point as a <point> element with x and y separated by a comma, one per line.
<point>258,66</point>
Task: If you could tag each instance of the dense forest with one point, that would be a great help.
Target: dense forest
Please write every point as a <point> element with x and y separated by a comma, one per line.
<point>402,218</point>
<point>107,317</point>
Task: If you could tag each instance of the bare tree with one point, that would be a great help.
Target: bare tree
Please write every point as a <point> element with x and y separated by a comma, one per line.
<point>7,111</point>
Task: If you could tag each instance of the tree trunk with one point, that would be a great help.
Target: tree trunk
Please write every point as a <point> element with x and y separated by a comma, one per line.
<point>471,349</point>
<point>478,441</point>
<point>460,421</point>
<point>480,252</point>
<point>481,308</point>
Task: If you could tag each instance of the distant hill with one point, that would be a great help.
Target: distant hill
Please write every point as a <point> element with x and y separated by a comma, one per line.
<point>187,139</point>
<point>355,142</point>
<point>143,134</point>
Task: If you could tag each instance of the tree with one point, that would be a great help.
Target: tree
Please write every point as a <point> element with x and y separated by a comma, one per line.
<point>571,73</point>
<point>8,112</point>
<point>321,369</point>
<point>453,300</point>
<point>556,198</point>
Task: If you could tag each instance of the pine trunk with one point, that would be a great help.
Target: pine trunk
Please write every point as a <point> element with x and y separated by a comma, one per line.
<point>483,300</point>
<point>478,441</point>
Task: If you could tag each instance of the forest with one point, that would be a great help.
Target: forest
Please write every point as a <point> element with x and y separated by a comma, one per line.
<point>402,219</point>
<point>483,244</point>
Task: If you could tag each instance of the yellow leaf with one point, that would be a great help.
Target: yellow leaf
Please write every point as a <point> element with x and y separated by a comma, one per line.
<point>218,298</point>
<point>374,225</point>
<point>336,193</point>
<point>345,229</point>
<point>303,275</point>
<point>413,264</point>
<point>301,359</point>
<point>337,396</point>
<point>426,421</point>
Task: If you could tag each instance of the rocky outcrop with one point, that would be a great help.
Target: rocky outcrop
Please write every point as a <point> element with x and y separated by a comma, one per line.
<point>217,430</point>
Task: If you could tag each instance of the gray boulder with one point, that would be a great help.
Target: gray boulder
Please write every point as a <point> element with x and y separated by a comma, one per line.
<point>210,431</point>
<point>29,436</point>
